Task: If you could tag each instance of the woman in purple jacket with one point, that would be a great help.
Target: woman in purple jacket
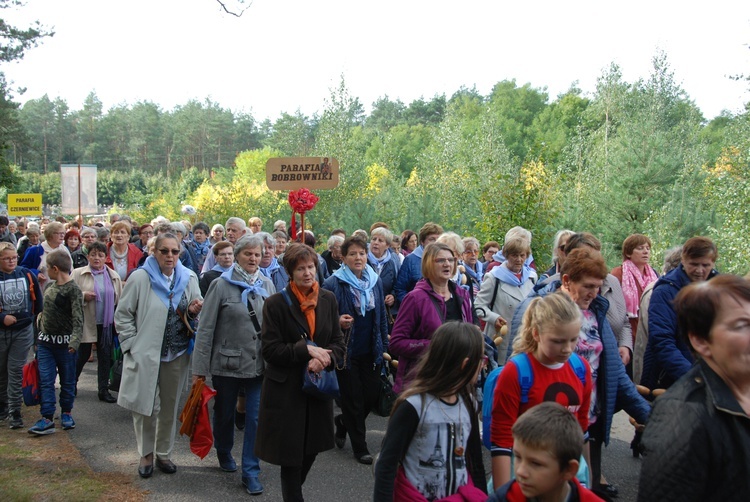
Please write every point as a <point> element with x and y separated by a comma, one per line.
<point>434,300</point>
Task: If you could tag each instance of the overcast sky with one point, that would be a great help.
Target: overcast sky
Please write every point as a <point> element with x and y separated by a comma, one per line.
<point>286,54</point>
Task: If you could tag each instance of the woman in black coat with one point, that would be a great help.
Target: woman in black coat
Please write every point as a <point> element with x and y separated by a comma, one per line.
<point>292,426</point>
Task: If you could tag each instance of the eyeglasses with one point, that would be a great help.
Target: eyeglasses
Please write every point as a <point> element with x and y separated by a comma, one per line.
<point>471,251</point>
<point>226,255</point>
<point>443,261</point>
<point>60,233</point>
<point>165,252</point>
<point>10,258</point>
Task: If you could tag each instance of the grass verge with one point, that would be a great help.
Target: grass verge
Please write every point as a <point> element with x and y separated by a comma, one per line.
<point>50,468</point>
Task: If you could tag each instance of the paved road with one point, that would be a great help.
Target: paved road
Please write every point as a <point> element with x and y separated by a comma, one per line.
<point>104,434</point>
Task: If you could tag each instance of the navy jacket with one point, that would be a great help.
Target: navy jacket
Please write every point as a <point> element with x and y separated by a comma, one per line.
<point>379,342</point>
<point>409,275</point>
<point>667,356</point>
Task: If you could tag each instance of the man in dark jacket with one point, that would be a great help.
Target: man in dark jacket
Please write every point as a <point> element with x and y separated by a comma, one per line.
<point>667,356</point>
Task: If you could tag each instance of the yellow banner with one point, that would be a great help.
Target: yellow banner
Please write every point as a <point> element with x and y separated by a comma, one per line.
<point>24,204</point>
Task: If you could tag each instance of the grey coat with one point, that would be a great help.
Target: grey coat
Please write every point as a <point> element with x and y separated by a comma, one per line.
<point>140,319</point>
<point>227,343</point>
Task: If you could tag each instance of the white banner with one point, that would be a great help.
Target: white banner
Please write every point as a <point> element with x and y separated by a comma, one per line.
<point>70,193</point>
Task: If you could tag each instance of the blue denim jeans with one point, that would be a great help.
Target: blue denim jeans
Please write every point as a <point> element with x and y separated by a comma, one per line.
<point>54,360</point>
<point>225,402</point>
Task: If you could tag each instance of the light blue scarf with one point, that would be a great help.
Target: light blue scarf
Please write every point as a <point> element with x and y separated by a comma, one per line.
<point>379,262</point>
<point>270,268</point>
<point>418,251</point>
<point>503,273</point>
<point>158,282</point>
<point>256,287</point>
<point>221,269</point>
<point>477,276</point>
<point>361,289</point>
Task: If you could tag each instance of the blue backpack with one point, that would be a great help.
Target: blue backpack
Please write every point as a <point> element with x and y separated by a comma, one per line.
<point>525,380</point>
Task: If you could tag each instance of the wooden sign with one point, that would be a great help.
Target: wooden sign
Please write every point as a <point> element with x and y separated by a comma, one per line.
<point>24,204</point>
<point>292,173</point>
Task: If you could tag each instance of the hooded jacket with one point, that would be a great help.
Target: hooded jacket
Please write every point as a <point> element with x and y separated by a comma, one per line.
<point>417,320</point>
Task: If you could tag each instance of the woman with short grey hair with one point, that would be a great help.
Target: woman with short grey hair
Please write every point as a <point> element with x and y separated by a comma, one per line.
<point>228,346</point>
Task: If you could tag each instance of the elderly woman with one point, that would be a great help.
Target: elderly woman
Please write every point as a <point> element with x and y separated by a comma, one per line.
<point>122,256</point>
<point>558,253</point>
<point>155,341</point>
<point>35,258</point>
<point>697,442</point>
<point>32,238</point>
<point>582,275</point>
<point>223,253</point>
<point>228,346</point>
<point>293,427</point>
<point>333,256</point>
<point>434,300</point>
<point>199,247</point>
<point>473,268</point>
<point>635,275</point>
<point>281,239</point>
<point>217,234</point>
<point>72,240</point>
<point>362,317</point>
<point>505,287</point>
<point>101,288</point>
<point>145,232</point>
<point>80,256</point>
<point>610,290</point>
<point>269,264</point>
<point>382,261</point>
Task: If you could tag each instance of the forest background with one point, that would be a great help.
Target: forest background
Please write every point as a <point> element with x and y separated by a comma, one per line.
<point>630,157</point>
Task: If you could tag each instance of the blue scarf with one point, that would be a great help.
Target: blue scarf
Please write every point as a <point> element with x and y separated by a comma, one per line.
<point>359,287</point>
<point>202,249</point>
<point>221,269</point>
<point>503,273</point>
<point>379,262</point>
<point>270,268</point>
<point>418,251</point>
<point>256,287</point>
<point>477,276</point>
<point>158,282</point>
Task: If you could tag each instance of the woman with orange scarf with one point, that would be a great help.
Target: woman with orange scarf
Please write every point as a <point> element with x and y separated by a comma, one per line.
<point>293,427</point>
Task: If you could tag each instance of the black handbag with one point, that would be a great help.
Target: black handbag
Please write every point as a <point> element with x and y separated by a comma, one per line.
<point>387,397</point>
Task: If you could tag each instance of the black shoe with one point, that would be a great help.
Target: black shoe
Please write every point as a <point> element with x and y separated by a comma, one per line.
<point>226,462</point>
<point>3,412</point>
<point>16,422</point>
<point>166,466</point>
<point>340,437</point>
<point>239,420</point>
<point>610,490</point>
<point>145,471</point>
<point>365,459</point>
<point>107,397</point>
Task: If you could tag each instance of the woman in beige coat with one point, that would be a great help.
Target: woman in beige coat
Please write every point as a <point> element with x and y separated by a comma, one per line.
<point>503,288</point>
<point>155,344</point>
<point>101,288</point>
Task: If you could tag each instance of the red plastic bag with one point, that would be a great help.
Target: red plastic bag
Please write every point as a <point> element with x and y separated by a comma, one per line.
<point>203,438</point>
<point>32,393</point>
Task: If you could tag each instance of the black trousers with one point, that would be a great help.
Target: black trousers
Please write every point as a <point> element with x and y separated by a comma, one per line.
<point>596,440</point>
<point>360,388</point>
<point>103,359</point>
<point>293,477</point>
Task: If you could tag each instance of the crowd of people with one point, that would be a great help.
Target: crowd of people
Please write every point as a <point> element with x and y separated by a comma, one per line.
<point>461,326</point>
